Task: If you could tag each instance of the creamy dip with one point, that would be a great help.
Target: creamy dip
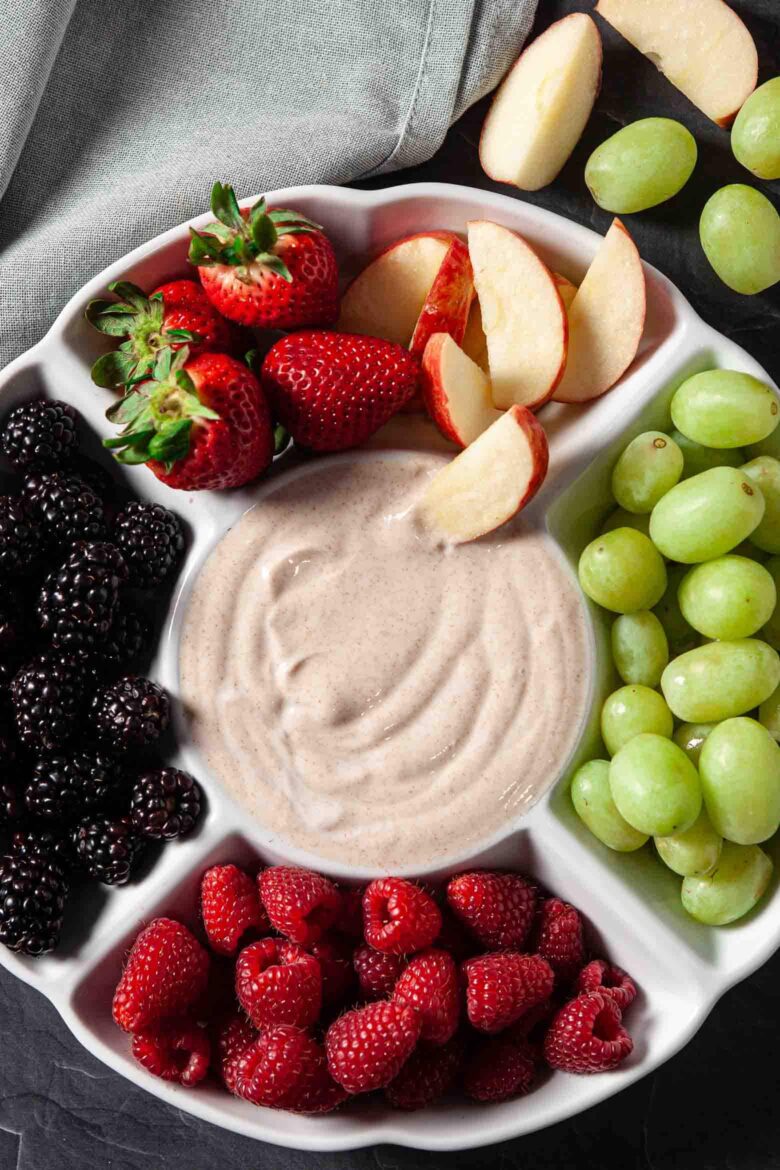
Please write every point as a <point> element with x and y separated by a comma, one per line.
<point>372,697</point>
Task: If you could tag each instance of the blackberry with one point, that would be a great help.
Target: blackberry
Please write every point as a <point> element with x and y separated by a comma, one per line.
<point>165,803</point>
<point>49,695</point>
<point>77,601</point>
<point>21,539</point>
<point>128,639</point>
<point>43,844</point>
<point>33,892</point>
<point>40,434</point>
<point>66,506</point>
<point>95,476</point>
<point>131,713</point>
<point>11,802</point>
<point>152,541</point>
<point>63,788</point>
<point>107,848</point>
<point>15,626</point>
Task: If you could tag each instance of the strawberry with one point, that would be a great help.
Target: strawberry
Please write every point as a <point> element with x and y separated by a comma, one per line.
<point>176,314</point>
<point>560,938</point>
<point>277,982</point>
<point>377,972</point>
<point>332,391</point>
<point>587,1036</point>
<point>608,980</point>
<point>200,423</point>
<point>427,1075</point>
<point>367,1047</point>
<point>430,985</point>
<point>500,1067</point>
<point>498,908</point>
<point>300,903</point>
<point>502,986</point>
<point>166,972</point>
<point>399,918</point>
<point>283,1068</point>
<point>176,1051</point>
<point>230,906</point>
<point>268,269</point>
<point>233,1035</point>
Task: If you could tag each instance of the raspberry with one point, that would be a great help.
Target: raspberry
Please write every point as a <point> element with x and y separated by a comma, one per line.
<point>500,1068</point>
<point>300,903</point>
<point>497,907</point>
<point>377,973</point>
<point>179,1051</point>
<point>455,938</point>
<point>427,1075</point>
<point>233,1036</point>
<point>230,907</point>
<point>609,980</point>
<point>587,1036</point>
<point>285,1069</point>
<point>430,986</point>
<point>334,955</point>
<point>350,920</point>
<point>166,972</point>
<point>560,939</point>
<point>399,918</point>
<point>277,982</point>
<point>367,1047</point>
<point>503,985</point>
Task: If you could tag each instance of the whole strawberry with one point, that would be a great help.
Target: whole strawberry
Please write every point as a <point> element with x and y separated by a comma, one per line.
<point>200,423</point>
<point>166,972</point>
<point>332,391</point>
<point>175,314</point>
<point>268,269</point>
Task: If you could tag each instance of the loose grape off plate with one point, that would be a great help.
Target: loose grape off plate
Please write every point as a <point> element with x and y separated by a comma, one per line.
<point>681,966</point>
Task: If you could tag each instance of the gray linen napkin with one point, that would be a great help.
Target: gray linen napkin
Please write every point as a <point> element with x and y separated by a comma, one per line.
<point>115,118</point>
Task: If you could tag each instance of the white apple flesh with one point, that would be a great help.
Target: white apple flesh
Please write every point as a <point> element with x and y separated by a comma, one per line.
<point>488,483</point>
<point>566,290</point>
<point>542,105</point>
<point>456,391</point>
<point>522,315</point>
<point>702,46</point>
<point>606,319</point>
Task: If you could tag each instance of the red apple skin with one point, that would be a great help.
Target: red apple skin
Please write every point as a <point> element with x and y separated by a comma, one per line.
<point>447,305</point>
<point>538,446</point>
<point>433,394</point>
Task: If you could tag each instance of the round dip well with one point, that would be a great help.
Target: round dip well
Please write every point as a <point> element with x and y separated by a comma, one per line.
<point>368,697</point>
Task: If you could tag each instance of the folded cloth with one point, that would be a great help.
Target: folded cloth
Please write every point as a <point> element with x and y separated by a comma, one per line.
<point>116,118</point>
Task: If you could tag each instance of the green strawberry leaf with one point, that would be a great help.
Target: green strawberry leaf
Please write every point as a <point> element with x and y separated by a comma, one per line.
<point>127,410</point>
<point>276,264</point>
<point>281,439</point>
<point>131,294</point>
<point>110,317</point>
<point>224,206</point>
<point>172,441</point>
<point>203,250</point>
<point>264,234</point>
<point>194,408</point>
<point>251,356</point>
<point>162,366</point>
<point>136,439</point>
<point>131,456</point>
<point>284,215</point>
<point>182,335</point>
<point>113,369</point>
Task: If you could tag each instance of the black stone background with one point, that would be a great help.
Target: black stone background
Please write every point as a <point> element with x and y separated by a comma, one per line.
<point>714,1106</point>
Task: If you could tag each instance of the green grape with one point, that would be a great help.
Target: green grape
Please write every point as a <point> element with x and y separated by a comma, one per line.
<point>739,768</point>
<point>629,712</point>
<point>697,458</point>
<point>740,234</point>
<point>731,889</point>
<point>620,518</point>
<point>680,635</point>
<point>706,516</point>
<point>769,714</point>
<point>693,851</point>
<point>730,597</point>
<point>720,679</point>
<point>690,737</point>
<point>725,409</point>
<point>645,163</point>
<point>765,471</point>
<point>768,446</point>
<point>592,798</point>
<point>755,135</point>
<point>771,631</point>
<point>622,571</point>
<point>639,648</point>
<point>655,786</point>
<point>651,464</point>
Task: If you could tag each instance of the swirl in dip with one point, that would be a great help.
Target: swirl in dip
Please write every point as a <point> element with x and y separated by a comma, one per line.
<point>372,697</point>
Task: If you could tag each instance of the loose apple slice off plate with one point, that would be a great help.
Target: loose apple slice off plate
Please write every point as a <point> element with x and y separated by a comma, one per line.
<point>606,319</point>
<point>456,391</point>
<point>702,46</point>
<point>541,107</point>
<point>522,315</point>
<point>489,482</point>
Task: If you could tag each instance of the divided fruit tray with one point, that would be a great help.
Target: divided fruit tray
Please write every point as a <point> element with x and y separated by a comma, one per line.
<point>680,966</point>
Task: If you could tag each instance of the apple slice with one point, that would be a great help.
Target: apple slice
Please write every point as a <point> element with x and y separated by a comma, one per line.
<point>702,46</point>
<point>446,307</point>
<point>489,482</point>
<point>541,107</point>
<point>566,290</point>
<point>606,319</point>
<point>474,341</point>
<point>456,391</point>
<point>522,315</point>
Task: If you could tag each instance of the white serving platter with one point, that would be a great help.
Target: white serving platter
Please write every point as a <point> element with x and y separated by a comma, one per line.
<point>631,901</point>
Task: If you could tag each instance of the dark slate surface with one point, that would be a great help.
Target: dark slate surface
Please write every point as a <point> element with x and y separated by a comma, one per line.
<point>711,1108</point>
